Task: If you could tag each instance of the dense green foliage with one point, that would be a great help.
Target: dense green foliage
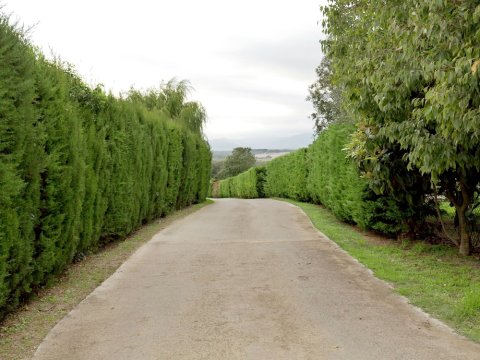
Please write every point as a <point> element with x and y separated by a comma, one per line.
<point>247,185</point>
<point>240,160</point>
<point>217,169</point>
<point>410,74</point>
<point>333,180</point>
<point>323,174</point>
<point>170,100</point>
<point>79,168</point>
<point>287,176</point>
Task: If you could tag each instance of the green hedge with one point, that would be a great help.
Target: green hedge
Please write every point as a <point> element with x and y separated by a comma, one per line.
<point>287,176</point>
<point>247,185</point>
<point>79,168</point>
<point>333,180</point>
<point>322,174</point>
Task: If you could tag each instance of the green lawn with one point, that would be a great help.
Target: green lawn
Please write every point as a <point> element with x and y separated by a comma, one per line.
<point>432,277</point>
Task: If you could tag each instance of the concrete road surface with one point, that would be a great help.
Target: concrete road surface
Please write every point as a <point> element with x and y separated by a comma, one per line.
<point>247,279</point>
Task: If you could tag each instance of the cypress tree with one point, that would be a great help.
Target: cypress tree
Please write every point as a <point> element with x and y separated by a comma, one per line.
<point>19,168</point>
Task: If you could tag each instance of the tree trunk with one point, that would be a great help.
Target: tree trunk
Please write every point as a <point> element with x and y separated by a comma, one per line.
<point>461,196</point>
<point>464,248</point>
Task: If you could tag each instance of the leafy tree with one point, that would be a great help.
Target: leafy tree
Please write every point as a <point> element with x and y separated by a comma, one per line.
<point>193,115</point>
<point>217,169</point>
<point>239,161</point>
<point>326,98</point>
<point>410,72</point>
<point>170,98</point>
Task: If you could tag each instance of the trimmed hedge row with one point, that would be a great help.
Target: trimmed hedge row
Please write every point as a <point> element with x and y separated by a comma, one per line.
<point>333,180</point>
<point>247,185</point>
<point>79,168</point>
<point>287,176</point>
<point>322,174</point>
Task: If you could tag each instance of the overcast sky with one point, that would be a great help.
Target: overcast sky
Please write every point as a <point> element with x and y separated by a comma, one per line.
<point>250,61</point>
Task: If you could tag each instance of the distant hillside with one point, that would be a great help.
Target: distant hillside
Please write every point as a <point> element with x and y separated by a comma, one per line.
<point>264,155</point>
<point>220,155</point>
<point>260,154</point>
<point>282,142</point>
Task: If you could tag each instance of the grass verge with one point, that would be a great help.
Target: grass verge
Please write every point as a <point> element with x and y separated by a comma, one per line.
<point>22,331</point>
<point>433,277</point>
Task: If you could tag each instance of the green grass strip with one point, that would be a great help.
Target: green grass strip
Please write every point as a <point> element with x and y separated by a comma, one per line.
<point>432,277</point>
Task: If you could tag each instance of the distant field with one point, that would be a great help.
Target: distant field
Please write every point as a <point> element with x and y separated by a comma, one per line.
<point>260,154</point>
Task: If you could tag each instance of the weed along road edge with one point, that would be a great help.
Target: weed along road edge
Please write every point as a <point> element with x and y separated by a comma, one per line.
<point>247,279</point>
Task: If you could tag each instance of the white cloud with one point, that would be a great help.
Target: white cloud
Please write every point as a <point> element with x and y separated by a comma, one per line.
<point>250,61</point>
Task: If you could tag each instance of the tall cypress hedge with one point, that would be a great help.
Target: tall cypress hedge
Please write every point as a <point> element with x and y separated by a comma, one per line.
<point>322,174</point>
<point>247,185</point>
<point>79,168</point>
<point>333,180</point>
<point>19,168</point>
<point>287,176</point>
